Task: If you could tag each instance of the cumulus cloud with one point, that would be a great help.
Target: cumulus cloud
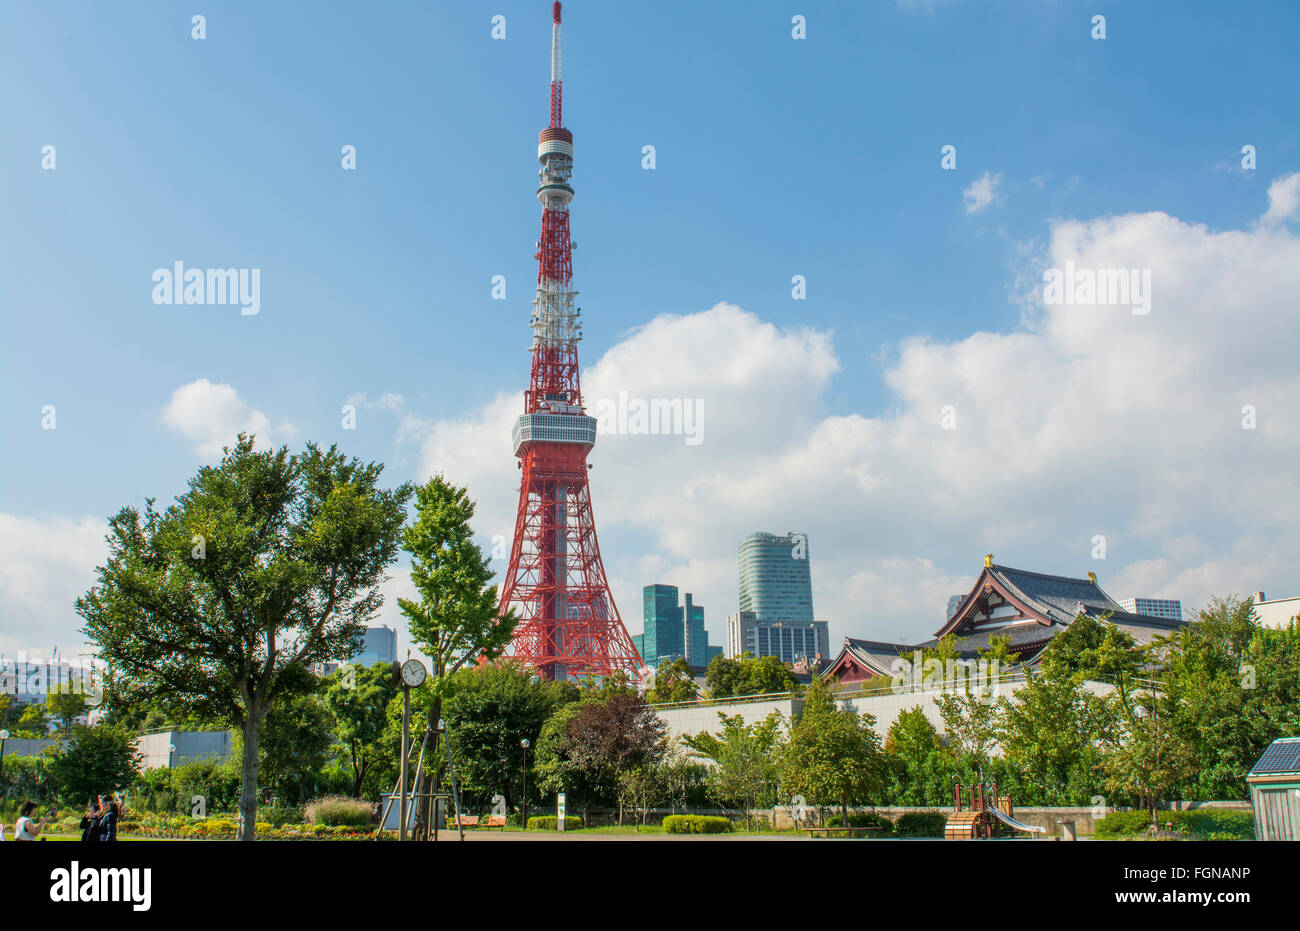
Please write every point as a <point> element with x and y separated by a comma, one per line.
<point>1081,421</point>
<point>981,192</point>
<point>209,416</point>
<point>1283,200</point>
<point>46,563</point>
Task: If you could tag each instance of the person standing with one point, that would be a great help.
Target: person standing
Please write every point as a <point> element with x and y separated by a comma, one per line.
<point>90,821</point>
<point>108,820</point>
<point>25,828</point>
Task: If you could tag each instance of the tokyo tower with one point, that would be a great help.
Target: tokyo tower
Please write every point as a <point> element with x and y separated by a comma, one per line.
<point>570,627</point>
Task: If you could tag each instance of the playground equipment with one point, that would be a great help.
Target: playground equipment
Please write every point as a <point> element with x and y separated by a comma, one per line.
<point>981,815</point>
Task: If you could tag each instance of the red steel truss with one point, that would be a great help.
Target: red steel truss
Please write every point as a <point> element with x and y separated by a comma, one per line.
<point>570,627</point>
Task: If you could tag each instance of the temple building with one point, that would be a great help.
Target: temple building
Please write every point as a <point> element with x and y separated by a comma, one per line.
<point>1029,608</point>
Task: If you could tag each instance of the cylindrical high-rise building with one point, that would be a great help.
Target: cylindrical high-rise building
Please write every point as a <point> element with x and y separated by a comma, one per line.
<point>775,578</point>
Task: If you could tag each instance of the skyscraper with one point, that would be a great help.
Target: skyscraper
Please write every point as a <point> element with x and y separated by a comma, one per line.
<point>775,577</point>
<point>672,631</point>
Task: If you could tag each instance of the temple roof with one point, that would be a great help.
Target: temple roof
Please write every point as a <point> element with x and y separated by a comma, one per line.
<point>1048,605</point>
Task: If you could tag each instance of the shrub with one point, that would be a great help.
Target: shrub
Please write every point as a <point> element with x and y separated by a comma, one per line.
<point>921,824</point>
<point>279,815</point>
<point>1202,824</point>
<point>696,824</point>
<point>548,823</point>
<point>865,820</point>
<point>335,810</point>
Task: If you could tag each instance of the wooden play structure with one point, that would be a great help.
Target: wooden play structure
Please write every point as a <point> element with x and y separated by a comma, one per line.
<point>983,813</point>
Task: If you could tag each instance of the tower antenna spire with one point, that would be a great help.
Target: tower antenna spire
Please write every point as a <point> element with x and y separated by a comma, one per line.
<point>556,82</point>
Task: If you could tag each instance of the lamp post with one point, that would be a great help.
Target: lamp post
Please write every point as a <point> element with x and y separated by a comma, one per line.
<point>524,744</point>
<point>4,735</point>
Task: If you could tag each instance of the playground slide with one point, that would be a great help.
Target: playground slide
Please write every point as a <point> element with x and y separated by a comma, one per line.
<point>1012,822</point>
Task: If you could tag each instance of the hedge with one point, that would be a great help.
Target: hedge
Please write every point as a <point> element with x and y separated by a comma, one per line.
<point>1202,824</point>
<point>548,823</point>
<point>696,824</point>
<point>921,824</point>
<point>865,820</point>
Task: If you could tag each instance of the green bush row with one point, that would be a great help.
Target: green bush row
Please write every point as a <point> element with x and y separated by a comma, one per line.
<point>921,824</point>
<point>696,824</point>
<point>548,823</point>
<point>1202,824</point>
<point>864,820</point>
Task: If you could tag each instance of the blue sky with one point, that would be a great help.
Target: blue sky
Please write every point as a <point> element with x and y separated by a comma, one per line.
<point>775,157</point>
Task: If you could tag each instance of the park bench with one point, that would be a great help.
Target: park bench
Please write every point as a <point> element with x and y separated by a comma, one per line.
<point>495,821</point>
<point>465,821</point>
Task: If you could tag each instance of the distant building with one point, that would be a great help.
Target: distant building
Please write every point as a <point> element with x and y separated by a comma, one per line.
<point>954,602</point>
<point>1027,609</point>
<point>672,631</point>
<point>1278,612</point>
<point>166,749</point>
<point>1154,607</point>
<point>378,645</point>
<point>790,642</point>
<point>776,578</point>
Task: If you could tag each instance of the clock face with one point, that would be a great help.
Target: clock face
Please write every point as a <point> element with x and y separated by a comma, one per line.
<point>413,672</point>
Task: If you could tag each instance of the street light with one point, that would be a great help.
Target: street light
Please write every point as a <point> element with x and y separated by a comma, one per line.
<point>524,743</point>
<point>4,735</point>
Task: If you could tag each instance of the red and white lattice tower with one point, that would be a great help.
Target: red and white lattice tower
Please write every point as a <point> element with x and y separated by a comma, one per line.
<point>570,627</point>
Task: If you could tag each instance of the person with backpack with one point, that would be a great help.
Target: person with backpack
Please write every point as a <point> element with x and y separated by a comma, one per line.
<point>90,820</point>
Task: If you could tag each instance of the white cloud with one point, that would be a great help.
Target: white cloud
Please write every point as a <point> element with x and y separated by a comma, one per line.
<point>1283,199</point>
<point>211,416</point>
<point>981,192</point>
<point>1080,421</point>
<point>46,563</point>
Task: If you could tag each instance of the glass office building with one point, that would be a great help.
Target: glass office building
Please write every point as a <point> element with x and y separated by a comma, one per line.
<point>671,630</point>
<point>775,577</point>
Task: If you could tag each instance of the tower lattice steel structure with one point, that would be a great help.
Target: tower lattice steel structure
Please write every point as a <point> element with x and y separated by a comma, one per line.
<point>570,626</point>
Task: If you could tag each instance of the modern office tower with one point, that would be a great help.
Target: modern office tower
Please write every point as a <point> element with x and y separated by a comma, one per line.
<point>1154,607</point>
<point>671,630</point>
<point>788,641</point>
<point>775,578</point>
<point>378,645</point>
<point>954,602</point>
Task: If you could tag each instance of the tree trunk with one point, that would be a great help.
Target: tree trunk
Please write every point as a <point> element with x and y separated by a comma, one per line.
<point>844,812</point>
<point>248,782</point>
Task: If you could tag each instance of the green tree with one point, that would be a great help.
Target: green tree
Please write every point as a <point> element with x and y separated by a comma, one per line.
<point>96,761</point>
<point>970,723</point>
<point>358,698</point>
<point>66,707</point>
<point>1238,688</point>
<point>584,747</point>
<point>1148,759</point>
<point>455,621</point>
<point>294,745</point>
<point>725,678</point>
<point>490,709</point>
<point>673,682</point>
<point>1052,736</point>
<point>833,754</point>
<point>746,760</point>
<point>267,564</point>
<point>914,761</point>
<point>34,721</point>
